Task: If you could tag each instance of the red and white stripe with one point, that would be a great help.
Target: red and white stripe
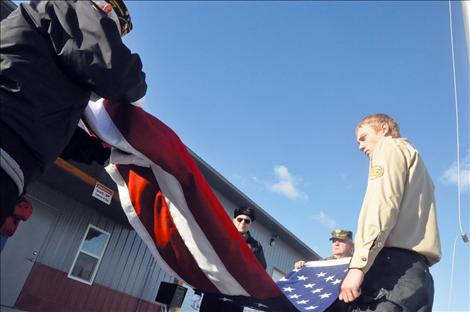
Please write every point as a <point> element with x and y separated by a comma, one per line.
<point>172,207</point>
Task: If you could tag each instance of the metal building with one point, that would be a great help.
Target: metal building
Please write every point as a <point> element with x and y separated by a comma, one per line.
<point>78,253</point>
<point>47,265</point>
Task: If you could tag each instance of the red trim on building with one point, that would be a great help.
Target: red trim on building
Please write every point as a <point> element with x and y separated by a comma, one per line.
<point>48,289</point>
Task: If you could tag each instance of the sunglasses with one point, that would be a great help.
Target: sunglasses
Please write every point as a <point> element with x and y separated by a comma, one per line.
<point>247,221</point>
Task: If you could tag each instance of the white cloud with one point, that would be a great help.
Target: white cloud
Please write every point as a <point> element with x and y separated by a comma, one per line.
<point>286,184</point>
<point>325,220</point>
<point>450,175</point>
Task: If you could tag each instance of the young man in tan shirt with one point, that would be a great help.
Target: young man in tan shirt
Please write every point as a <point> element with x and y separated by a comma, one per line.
<point>397,236</point>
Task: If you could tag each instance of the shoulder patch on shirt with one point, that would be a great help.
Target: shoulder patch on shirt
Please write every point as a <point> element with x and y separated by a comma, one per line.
<point>376,172</point>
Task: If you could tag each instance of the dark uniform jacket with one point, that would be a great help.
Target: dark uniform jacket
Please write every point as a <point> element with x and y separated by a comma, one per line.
<point>53,55</point>
<point>256,247</point>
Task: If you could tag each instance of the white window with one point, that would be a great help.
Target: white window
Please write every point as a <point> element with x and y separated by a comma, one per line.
<point>277,274</point>
<point>89,255</point>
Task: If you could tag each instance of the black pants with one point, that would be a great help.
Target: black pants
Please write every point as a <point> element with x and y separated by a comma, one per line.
<point>399,280</point>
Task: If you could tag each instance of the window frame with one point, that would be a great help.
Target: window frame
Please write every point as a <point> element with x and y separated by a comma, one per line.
<point>80,250</point>
<point>276,270</point>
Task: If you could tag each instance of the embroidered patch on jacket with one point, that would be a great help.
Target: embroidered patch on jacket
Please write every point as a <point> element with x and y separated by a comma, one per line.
<point>376,172</point>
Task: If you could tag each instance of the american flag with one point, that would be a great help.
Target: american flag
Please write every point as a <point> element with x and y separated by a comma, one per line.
<point>315,286</point>
<point>174,210</point>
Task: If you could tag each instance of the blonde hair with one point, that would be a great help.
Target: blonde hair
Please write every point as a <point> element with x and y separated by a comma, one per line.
<point>377,120</point>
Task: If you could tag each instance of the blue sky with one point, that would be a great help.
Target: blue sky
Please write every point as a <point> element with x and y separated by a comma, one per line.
<point>269,93</point>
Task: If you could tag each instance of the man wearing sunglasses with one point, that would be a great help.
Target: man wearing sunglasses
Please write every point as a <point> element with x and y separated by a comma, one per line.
<point>243,218</point>
<point>56,55</point>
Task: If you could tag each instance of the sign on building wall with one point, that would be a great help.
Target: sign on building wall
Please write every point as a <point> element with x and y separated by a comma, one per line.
<point>102,193</point>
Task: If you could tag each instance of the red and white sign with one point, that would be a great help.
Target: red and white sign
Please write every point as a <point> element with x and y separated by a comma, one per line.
<point>103,193</point>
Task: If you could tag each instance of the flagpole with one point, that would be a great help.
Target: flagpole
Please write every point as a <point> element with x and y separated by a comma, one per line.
<point>462,234</point>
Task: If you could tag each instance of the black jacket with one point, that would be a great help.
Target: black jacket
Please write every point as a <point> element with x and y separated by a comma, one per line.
<point>256,247</point>
<point>53,55</point>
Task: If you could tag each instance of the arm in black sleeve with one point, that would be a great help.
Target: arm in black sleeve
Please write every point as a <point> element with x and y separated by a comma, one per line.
<point>260,255</point>
<point>89,48</point>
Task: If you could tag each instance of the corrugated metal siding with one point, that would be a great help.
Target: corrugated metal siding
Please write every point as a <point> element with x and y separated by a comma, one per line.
<point>127,264</point>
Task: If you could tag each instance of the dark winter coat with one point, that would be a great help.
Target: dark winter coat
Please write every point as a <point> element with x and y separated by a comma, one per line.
<point>54,54</point>
<point>256,247</point>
